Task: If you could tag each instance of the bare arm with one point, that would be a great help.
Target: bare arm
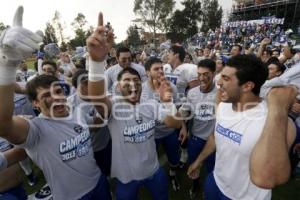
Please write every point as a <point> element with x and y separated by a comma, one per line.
<point>269,161</point>
<point>209,148</point>
<point>173,121</point>
<point>14,155</point>
<point>99,44</point>
<point>262,47</point>
<point>14,129</point>
<point>193,83</point>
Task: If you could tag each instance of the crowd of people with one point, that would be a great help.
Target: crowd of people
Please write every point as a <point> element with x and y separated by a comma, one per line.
<point>230,106</point>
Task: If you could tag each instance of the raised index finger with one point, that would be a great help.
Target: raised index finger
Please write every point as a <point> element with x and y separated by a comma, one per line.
<point>100,19</point>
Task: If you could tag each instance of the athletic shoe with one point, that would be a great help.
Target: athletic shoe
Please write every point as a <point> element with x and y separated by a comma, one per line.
<point>31,179</point>
<point>175,183</point>
<point>193,193</point>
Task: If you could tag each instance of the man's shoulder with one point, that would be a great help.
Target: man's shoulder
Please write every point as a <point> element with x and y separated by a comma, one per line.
<point>137,67</point>
<point>112,69</point>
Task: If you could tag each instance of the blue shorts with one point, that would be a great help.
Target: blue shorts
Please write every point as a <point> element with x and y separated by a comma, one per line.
<point>103,159</point>
<point>16,193</point>
<point>156,184</point>
<point>211,190</point>
<point>101,191</point>
<point>195,146</point>
<point>171,146</point>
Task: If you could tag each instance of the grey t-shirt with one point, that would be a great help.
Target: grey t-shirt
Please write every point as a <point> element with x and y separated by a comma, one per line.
<point>134,154</point>
<point>99,137</point>
<point>62,150</point>
<point>112,75</point>
<point>203,109</point>
<point>161,130</point>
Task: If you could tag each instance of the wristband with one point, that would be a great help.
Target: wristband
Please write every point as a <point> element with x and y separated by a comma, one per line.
<point>3,162</point>
<point>96,70</point>
<point>8,74</point>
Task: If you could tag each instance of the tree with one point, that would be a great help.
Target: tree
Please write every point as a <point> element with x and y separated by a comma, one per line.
<point>50,35</point>
<point>133,37</point>
<point>212,15</point>
<point>184,24</point>
<point>81,33</point>
<point>153,13</point>
<point>59,27</point>
<point>79,21</point>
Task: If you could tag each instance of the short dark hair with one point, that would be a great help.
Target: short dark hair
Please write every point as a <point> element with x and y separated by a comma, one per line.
<point>48,62</point>
<point>122,50</point>
<point>249,68</point>
<point>208,63</point>
<point>280,67</point>
<point>176,49</point>
<point>129,70</point>
<point>237,45</point>
<point>150,62</point>
<point>81,73</point>
<point>41,81</point>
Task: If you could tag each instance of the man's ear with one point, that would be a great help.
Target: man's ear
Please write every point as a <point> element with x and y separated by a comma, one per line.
<point>248,86</point>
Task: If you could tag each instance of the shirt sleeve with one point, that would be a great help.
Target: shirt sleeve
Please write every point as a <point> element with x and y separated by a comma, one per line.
<point>33,136</point>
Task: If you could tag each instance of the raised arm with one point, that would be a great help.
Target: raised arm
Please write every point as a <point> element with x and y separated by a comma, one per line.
<point>269,161</point>
<point>262,46</point>
<point>99,45</point>
<point>16,43</point>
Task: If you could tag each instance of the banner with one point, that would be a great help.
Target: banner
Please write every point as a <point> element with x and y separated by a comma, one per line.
<point>263,20</point>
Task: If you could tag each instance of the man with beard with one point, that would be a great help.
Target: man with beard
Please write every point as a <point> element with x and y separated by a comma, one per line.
<point>252,137</point>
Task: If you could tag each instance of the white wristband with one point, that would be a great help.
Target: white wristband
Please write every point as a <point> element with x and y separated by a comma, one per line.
<point>3,162</point>
<point>7,75</point>
<point>96,70</point>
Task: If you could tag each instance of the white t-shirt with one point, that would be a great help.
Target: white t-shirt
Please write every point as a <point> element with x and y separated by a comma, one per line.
<point>236,134</point>
<point>100,137</point>
<point>203,109</point>
<point>181,75</point>
<point>148,93</point>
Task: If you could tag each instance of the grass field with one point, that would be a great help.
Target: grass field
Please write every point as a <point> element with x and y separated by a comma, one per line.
<point>289,191</point>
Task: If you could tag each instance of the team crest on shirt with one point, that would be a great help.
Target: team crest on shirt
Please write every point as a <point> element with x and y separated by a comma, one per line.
<point>139,119</point>
<point>78,129</point>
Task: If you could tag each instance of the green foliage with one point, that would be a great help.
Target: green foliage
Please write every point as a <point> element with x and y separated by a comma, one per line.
<point>133,37</point>
<point>212,15</point>
<point>183,23</point>
<point>50,34</point>
<point>58,26</point>
<point>81,33</point>
<point>154,13</point>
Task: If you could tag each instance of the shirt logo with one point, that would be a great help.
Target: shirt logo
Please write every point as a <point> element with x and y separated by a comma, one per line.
<point>139,133</point>
<point>231,135</point>
<point>77,146</point>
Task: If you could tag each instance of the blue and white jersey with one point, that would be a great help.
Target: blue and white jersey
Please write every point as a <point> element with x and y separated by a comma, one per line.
<point>181,76</point>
